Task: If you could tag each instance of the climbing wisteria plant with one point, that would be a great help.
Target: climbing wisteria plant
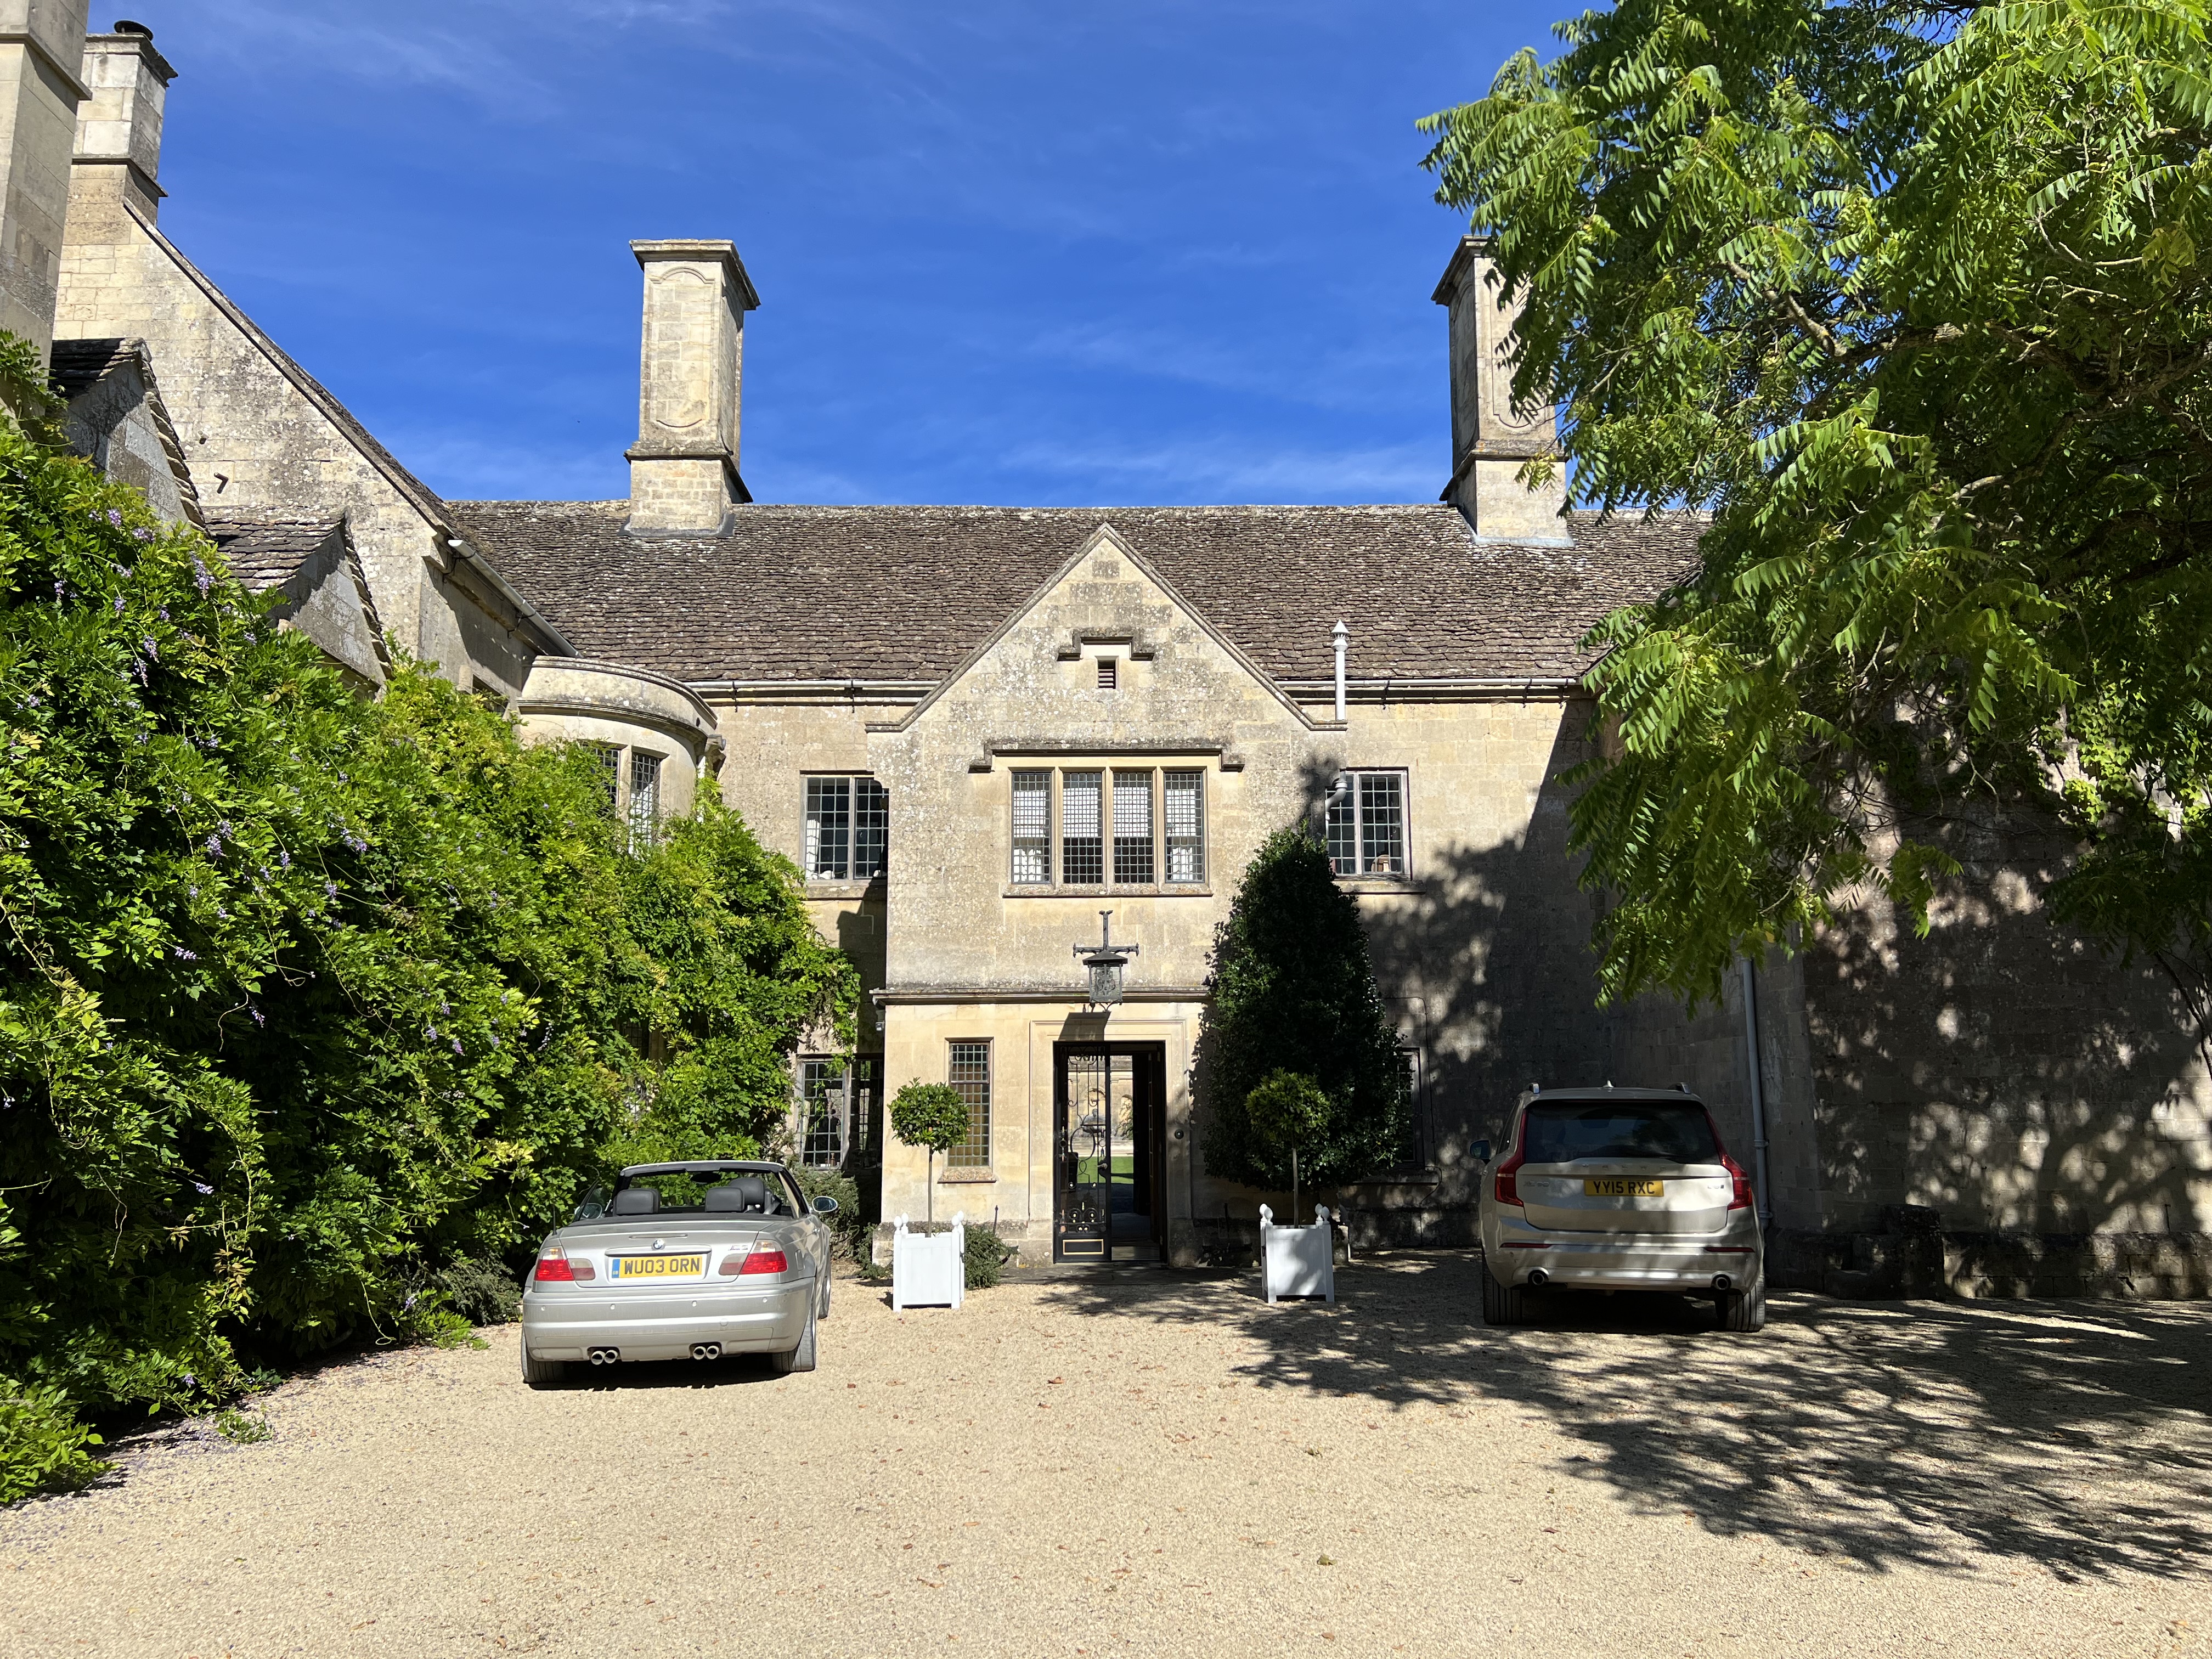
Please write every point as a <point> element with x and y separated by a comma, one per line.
<point>1916,299</point>
<point>305,996</point>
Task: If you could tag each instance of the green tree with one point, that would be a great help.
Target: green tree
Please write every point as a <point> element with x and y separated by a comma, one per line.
<point>1914,298</point>
<point>933,1115</point>
<point>1292,989</point>
<point>305,999</point>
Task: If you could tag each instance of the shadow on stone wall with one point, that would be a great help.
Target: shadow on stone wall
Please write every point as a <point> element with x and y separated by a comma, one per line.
<point>2003,1070</point>
<point>2073,1440</point>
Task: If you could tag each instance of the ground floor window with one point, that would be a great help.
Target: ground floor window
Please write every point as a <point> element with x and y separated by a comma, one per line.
<point>838,1102</point>
<point>968,1069</point>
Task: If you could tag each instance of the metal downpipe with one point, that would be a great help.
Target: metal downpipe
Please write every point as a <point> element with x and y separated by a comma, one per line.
<point>1758,1089</point>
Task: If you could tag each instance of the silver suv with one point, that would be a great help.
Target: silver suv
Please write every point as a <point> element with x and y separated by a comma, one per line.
<point>1618,1189</point>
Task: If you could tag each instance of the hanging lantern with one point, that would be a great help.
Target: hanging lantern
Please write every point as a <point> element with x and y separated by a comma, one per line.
<point>1105,963</point>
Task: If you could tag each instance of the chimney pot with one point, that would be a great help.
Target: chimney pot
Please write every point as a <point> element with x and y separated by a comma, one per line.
<point>118,132</point>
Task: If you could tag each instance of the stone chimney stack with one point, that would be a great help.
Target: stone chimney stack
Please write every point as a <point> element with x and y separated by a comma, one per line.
<point>1491,437</point>
<point>41,46</point>
<point>684,469</point>
<point>119,134</point>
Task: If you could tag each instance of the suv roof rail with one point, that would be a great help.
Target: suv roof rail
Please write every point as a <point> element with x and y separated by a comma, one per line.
<point>1682,1088</point>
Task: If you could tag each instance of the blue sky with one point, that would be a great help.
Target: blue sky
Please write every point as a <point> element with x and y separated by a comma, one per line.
<point>1034,252</point>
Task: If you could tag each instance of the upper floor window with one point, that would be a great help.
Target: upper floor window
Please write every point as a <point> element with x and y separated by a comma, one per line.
<point>848,828</point>
<point>1366,824</point>
<point>1119,829</point>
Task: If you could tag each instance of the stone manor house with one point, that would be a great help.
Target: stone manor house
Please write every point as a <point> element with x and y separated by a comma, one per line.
<point>975,729</point>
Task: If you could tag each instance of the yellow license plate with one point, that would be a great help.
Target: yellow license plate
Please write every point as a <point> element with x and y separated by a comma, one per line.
<point>655,1267</point>
<point>1624,1189</point>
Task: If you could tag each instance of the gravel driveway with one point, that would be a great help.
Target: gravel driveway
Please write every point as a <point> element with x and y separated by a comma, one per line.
<point>1162,1464</point>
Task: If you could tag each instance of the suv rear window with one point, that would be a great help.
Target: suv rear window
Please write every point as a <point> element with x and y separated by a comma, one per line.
<point>1560,1132</point>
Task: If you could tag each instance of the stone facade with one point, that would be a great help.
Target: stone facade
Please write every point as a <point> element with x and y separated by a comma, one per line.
<point>944,715</point>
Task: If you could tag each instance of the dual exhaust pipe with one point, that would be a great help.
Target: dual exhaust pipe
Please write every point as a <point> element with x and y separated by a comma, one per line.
<point>613,1356</point>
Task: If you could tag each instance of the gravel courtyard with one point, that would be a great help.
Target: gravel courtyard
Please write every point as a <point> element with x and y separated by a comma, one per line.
<point>1155,1464</point>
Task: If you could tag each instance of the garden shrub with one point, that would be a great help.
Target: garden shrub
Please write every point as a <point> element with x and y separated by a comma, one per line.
<point>42,1443</point>
<point>1292,989</point>
<point>305,998</point>
<point>986,1255</point>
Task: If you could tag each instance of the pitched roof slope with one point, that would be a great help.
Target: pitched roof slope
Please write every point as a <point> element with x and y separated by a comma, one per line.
<point>266,550</point>
<point>903,593</point>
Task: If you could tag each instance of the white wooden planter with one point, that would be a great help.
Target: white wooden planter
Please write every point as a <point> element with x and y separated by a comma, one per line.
<point>1297,1261</point>
<point>929,1270</point>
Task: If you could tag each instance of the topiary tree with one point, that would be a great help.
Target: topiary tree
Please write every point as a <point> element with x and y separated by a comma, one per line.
<point>1288,1112</point>
<point>932,1116</point>
<point>1293,991</point>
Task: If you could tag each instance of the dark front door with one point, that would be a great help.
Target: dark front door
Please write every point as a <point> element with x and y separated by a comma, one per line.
<point>1109,1105</point>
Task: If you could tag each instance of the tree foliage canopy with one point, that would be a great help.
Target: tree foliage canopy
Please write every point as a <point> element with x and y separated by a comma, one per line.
<point>932,1115</point>
<point>1916,300</point>
<point>304,997</point>
<point>1293,990</point>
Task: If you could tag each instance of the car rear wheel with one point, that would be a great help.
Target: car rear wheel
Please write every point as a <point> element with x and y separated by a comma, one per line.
<point>1744,1309</point>
<point>1503,1304</point>
<point>801,1358</point>
<point>543,1373</point>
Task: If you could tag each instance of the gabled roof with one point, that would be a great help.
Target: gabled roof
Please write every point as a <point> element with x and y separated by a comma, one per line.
<point>904,594</point>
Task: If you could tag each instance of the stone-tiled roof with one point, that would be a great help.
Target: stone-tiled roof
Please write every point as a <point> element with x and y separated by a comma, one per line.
<point>266,550</point>
<point>77,366</point>
<point>903,593</point>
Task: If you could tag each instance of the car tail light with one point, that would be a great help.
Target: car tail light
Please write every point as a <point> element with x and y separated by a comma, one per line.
<point>760,1259</point>
<point>1739,1194</point>
<point>1507,1176</point>
<point>555,1267</point>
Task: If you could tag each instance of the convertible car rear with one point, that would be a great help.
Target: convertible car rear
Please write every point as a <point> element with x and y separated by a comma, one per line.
<point>694,1260</point>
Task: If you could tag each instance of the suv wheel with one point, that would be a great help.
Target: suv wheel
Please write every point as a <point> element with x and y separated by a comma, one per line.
<point>1744,1309</point>
<point>1503,1304</point>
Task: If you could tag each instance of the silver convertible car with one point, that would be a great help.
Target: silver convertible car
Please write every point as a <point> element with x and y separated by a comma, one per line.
<point>694,1260</point>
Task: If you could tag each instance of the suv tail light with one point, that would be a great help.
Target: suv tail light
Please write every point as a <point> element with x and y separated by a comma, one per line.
<point>555,1267</point>
<point>1739,1193</point>
<point>760,1259</point>
<point>1507,1176</point>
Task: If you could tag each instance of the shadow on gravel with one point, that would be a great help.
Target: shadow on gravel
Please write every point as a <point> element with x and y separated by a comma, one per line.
<point>734,1372</point>
<point>2074,1435</point>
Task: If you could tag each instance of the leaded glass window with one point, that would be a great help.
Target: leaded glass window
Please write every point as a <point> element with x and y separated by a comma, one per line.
<point>1082,851</point>
<point>848,828</point>
<point>968,1069</point>
<point>1032,829</point>
<point>1133,829</point>
<point>644,797</point>
<point>1366,824</point>
<point>1183,799</point>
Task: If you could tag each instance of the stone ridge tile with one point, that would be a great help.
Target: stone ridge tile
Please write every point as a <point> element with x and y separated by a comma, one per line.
<point>265,549</point>
<point>905,592</point>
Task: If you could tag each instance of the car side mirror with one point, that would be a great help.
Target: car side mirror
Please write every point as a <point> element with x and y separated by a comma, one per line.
<point>825,1204</point>
<point>1481,1150</point>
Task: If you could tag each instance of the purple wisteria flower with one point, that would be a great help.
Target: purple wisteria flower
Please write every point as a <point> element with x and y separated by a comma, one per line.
<point>214,845</point>
<point>457,1045</point>
<point>183,955</point>
<point>118,604</point>
<point>330,889</point>
<point>200,576</point>
<point>203,1189</point>
<point>143,534</point>
<point>258,1018</point>
<point>152,649</point>
<point>115,517</point>
<point>283,858</point>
